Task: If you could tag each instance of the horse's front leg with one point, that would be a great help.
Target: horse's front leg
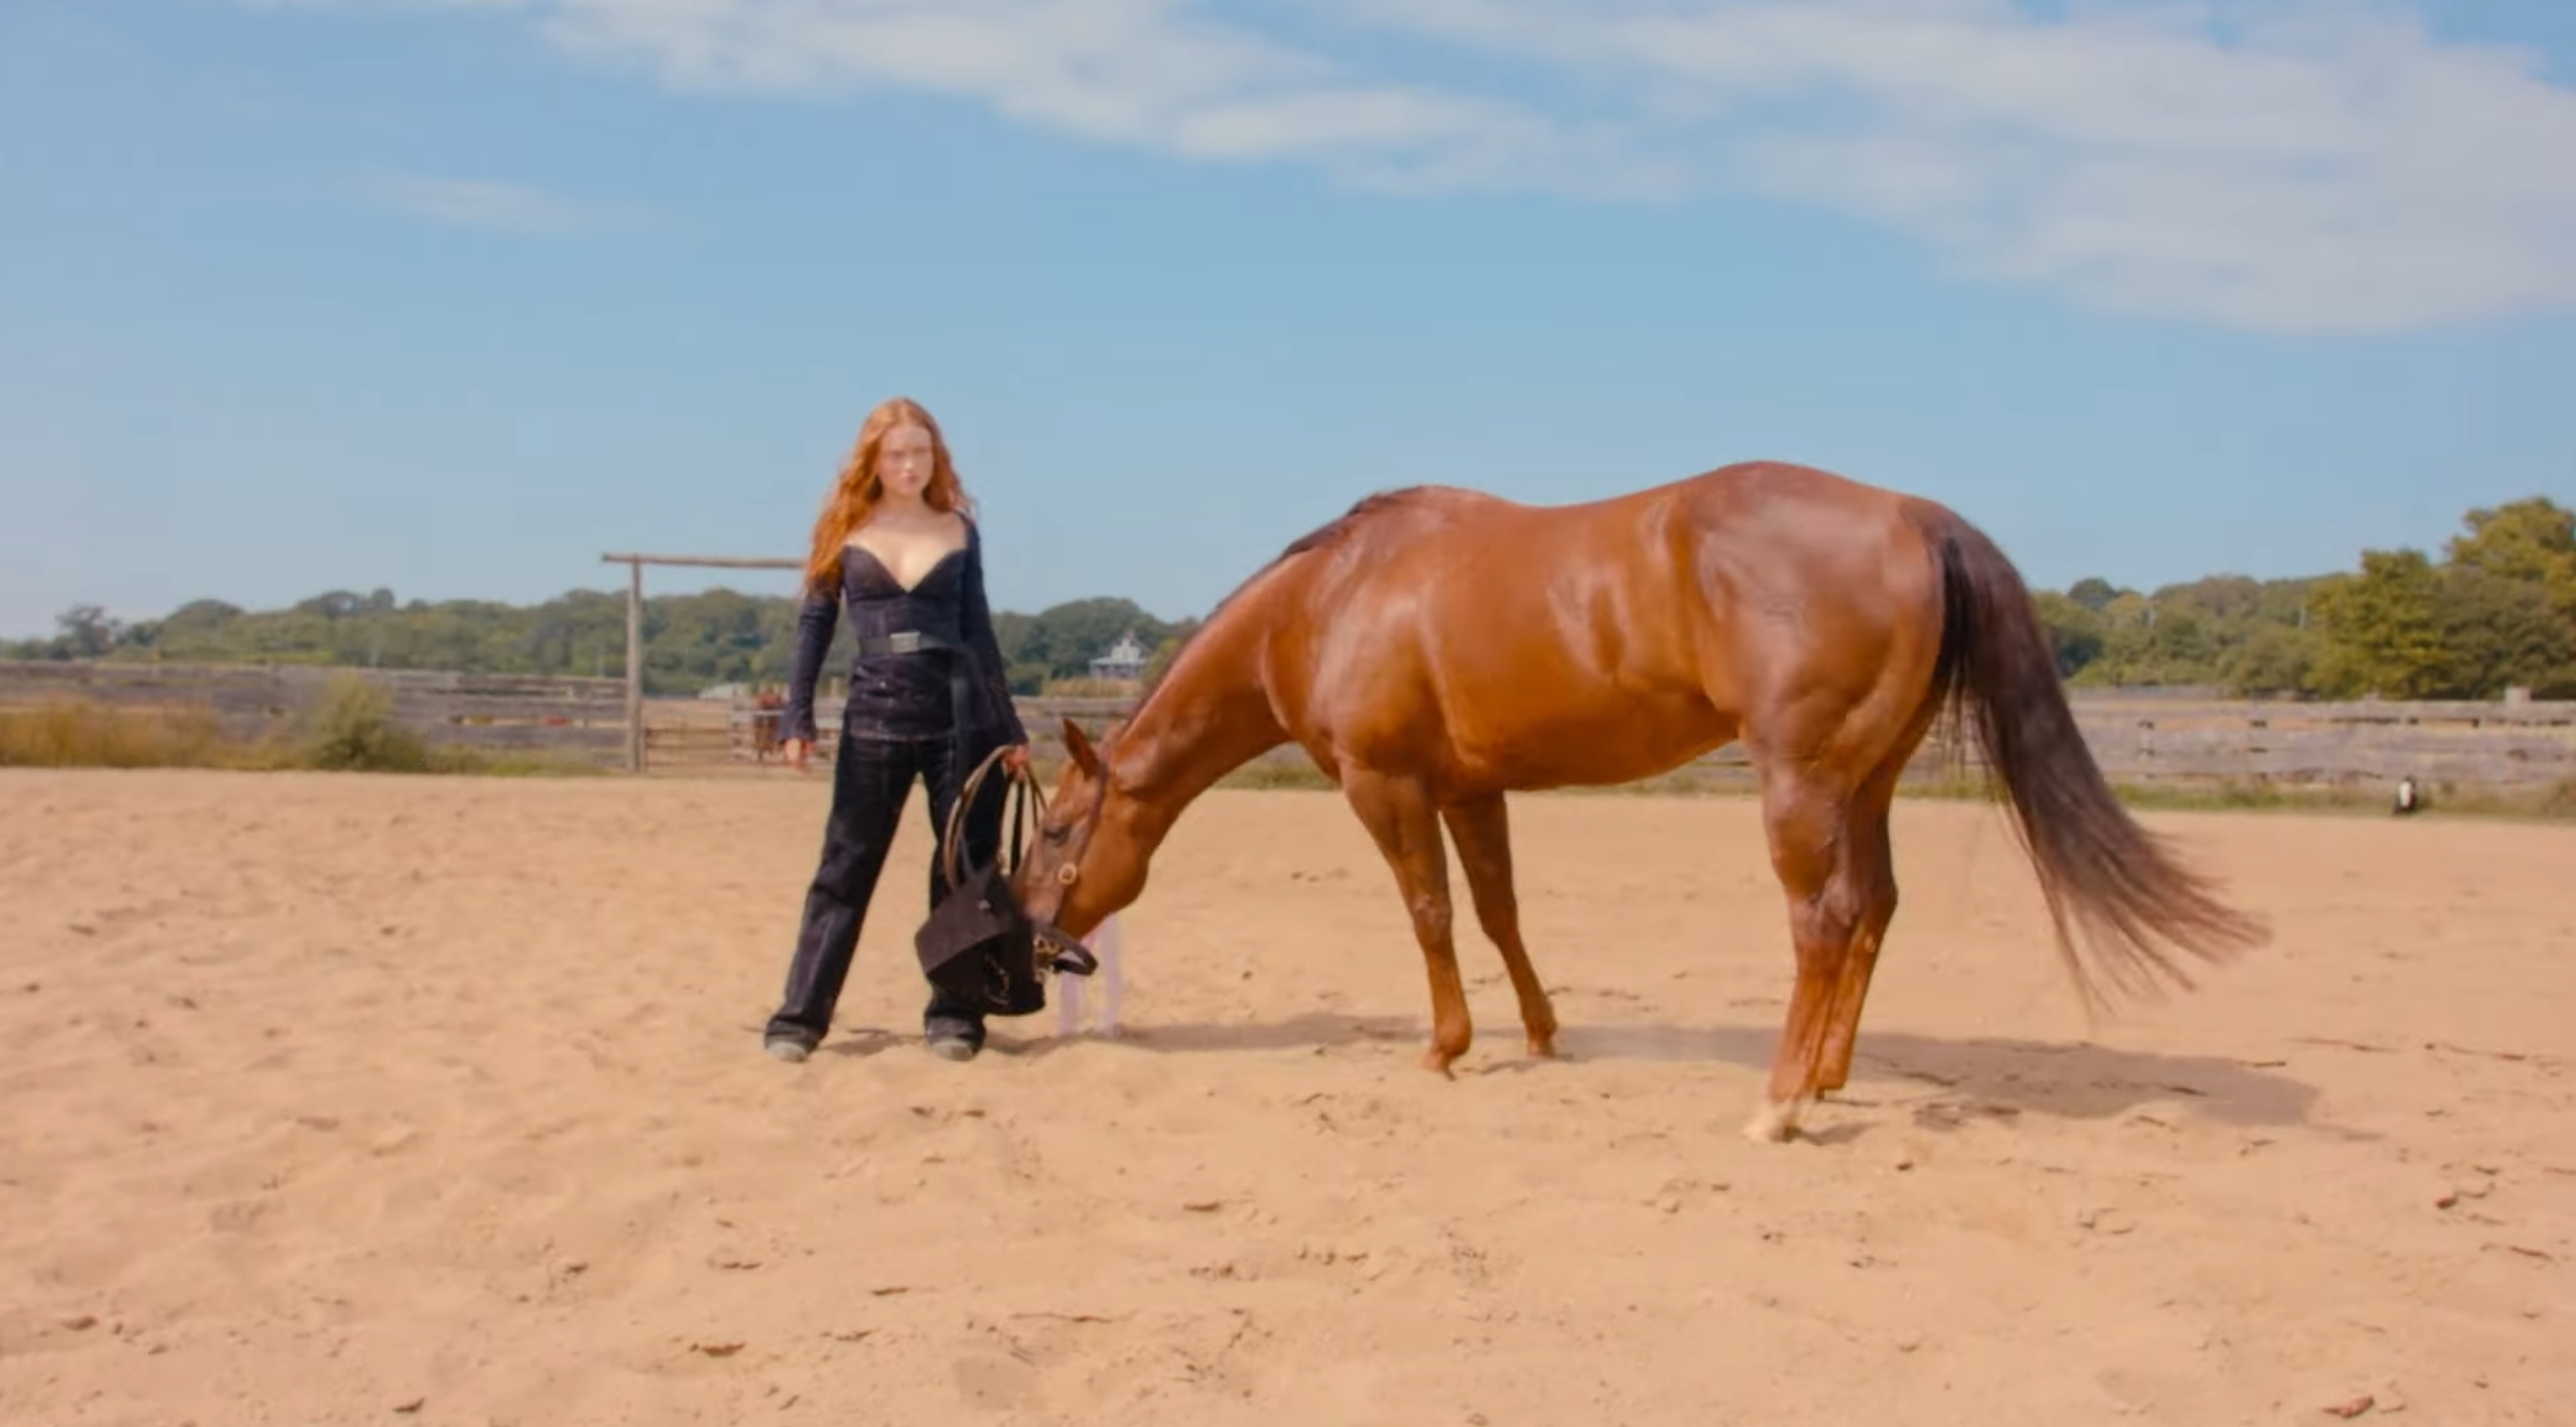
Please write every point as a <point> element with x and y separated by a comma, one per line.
<point>1483,831</point>
<point>1399,814</point>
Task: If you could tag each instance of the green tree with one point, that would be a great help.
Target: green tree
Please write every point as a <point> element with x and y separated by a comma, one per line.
<point>2274,661</point>
<point>2093,592</point>
<point>2498,631</point>
<point>2531,541</point>
<point>1170,648</point>
<point>2383,631</point>
<point>2498,609</point>
<point>86,632</point>
<point>1065,638</point>
<point>1011,631</point>
<point>2075,630</point>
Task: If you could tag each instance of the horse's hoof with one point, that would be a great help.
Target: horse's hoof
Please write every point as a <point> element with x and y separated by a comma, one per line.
<point>1543,1047</point>
<point>1438,1061</point>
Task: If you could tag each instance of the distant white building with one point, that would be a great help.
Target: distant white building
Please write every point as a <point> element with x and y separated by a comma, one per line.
<point>1125,659</point>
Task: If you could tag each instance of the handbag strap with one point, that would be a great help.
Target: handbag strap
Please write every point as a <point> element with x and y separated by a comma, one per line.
<point>1063,953</point>
<point>1024,793</point>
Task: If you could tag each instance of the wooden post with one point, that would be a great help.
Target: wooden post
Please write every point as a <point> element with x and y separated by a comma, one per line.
<point>634,666</point>
<point>635,563</point>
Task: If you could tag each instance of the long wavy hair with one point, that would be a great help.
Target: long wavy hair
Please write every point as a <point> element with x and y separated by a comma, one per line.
<point>854,494</point>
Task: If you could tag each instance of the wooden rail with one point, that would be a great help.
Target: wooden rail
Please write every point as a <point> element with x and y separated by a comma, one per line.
<point>2136,737</point>
<point>256,701</point>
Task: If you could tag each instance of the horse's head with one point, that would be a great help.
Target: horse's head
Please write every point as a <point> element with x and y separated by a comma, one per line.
<point>1088,859</point>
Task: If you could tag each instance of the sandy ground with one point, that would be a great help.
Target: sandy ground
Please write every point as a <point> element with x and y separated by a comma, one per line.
<point>339,1099</point>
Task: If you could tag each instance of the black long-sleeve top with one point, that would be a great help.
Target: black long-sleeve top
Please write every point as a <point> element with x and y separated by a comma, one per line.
<point>905,695</point>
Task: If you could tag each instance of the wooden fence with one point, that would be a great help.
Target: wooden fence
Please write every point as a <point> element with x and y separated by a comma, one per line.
<point>582,717</point>
<point>2137,738</point>
<point>2481,745</point>
<point>2142,738</point>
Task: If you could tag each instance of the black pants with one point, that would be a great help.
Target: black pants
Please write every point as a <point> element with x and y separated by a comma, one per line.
<point>870,780</point>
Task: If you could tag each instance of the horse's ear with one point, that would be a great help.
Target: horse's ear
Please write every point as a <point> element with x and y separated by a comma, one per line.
<point>1077,746</point>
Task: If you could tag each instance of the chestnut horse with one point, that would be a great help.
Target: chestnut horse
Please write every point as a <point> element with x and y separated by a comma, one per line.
<point>1435,648</point>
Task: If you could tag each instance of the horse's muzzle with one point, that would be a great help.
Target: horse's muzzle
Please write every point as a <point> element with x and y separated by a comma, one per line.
<point>1063,952</point>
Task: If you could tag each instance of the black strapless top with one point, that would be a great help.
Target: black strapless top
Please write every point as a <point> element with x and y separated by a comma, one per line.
<point>907,695</point>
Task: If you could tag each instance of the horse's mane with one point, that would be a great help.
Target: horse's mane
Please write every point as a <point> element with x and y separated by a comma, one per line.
<point>1326,536</point>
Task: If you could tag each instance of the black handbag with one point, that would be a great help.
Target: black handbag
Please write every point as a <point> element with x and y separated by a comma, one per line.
<point>979,947</point>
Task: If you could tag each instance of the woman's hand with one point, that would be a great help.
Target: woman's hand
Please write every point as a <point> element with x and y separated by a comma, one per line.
<point>1017,759</point>
<point>794,751</point>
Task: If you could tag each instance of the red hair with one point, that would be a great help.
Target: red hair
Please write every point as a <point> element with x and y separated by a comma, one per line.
<point>854,495</point>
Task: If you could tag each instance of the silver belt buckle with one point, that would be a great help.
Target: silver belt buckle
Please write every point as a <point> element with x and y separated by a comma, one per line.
<point>904,641</point>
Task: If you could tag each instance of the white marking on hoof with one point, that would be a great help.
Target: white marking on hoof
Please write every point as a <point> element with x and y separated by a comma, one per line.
<point>1773,1124</point>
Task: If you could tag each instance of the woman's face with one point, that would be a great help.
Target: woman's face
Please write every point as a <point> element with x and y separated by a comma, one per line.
<point>903,462</point>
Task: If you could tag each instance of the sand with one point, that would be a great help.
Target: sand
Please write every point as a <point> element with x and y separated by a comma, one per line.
<point>350,1099</point>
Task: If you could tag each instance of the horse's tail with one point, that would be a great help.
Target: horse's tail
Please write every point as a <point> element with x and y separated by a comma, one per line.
<point>2096,865</point>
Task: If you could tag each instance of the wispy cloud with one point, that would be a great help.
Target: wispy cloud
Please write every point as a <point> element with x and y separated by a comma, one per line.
<point>2319,167</point>
<point>495,206</point>
<point>2312,166</point>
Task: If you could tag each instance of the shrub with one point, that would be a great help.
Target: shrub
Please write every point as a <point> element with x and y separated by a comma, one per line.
<point>353,730</point>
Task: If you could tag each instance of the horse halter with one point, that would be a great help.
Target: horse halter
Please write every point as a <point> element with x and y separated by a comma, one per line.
<point>1063,948</point>
<point>1068,872</point>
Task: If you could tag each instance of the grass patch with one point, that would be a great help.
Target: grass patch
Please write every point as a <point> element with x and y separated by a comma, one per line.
<point>1285,773</point>
<point>352,729</point>
<point>72,734</point>
<point>2555,803</point>
<point>1088,688</point>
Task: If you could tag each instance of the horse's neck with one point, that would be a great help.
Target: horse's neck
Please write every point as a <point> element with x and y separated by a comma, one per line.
<point>1209,716</point>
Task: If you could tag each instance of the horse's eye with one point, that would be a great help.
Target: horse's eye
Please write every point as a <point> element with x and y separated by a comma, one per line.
<point>1055,834</point>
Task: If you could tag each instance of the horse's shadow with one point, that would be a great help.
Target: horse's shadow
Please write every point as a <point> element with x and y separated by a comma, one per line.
<point>1946,1082</point>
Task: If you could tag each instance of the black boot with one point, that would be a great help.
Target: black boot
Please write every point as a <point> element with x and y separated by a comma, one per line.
<point>952,1033</point>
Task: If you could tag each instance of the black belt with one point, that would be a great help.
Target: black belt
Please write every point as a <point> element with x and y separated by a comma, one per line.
<point>960,672</point>
<point>907,641</point>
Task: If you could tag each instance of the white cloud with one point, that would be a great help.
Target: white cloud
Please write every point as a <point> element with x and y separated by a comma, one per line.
<point>2314,166</point>
<point>495,206</point>
<point>1153,74</point>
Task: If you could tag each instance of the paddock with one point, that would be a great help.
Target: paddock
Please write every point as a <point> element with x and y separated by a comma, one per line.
<point>339,1098</point>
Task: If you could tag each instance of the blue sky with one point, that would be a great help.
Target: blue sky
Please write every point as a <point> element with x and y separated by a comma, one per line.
<point>450,296</point>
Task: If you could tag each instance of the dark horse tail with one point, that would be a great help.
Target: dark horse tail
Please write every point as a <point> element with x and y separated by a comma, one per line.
<point>2097,867</point>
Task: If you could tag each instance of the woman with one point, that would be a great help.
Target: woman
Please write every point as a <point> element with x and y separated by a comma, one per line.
<point>928,699</point>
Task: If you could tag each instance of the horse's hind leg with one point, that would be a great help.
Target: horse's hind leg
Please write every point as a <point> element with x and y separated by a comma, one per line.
<point>1873,866</point>
<point>1482,827</point>
<point>1823,837</point>
<point>1399,814</point>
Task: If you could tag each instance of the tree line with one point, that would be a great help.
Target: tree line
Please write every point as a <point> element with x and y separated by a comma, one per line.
<point>691,642</point>
<point>2495,608</point>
